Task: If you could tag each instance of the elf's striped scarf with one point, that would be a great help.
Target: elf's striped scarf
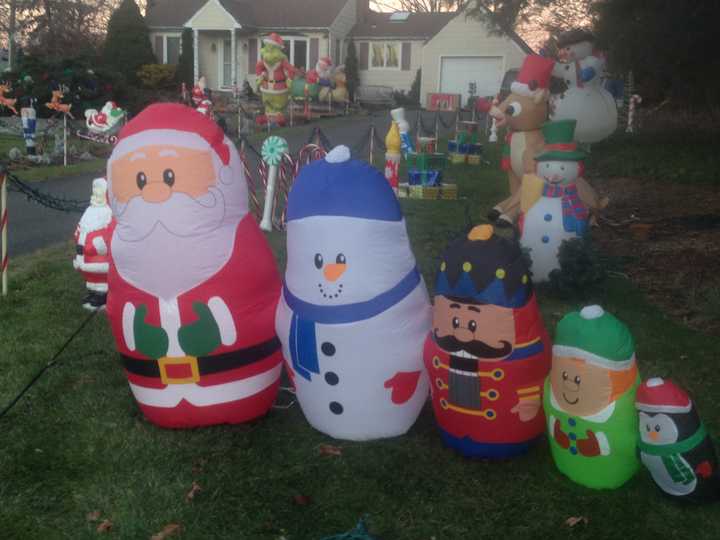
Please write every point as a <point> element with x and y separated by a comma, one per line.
<point>575,213</point>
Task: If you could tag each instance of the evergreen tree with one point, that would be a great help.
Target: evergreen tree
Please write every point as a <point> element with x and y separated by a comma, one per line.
<point>351,70</point>
<point>127,46</point>
<point>185,69</point>
<point>414,94</point>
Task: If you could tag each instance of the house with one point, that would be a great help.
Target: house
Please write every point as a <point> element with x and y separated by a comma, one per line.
<point>451,49</point>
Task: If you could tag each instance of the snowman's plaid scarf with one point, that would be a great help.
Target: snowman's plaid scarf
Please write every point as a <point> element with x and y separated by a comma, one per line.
<point>575,213</point>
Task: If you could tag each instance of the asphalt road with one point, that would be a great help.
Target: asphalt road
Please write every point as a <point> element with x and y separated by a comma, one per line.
<point>32,226</point>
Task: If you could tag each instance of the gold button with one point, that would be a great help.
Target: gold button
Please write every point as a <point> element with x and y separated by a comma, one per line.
<point>443,266</point>
<point>500,273</point>
<point>467,266</point>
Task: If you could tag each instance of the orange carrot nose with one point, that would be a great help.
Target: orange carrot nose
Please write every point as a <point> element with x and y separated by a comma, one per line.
<point>654,435</point>
<point>332,272</point>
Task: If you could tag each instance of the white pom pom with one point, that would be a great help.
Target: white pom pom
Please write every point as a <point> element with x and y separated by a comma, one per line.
<point>655,381</point>
<point>339,154</point>
<point>592,312</point>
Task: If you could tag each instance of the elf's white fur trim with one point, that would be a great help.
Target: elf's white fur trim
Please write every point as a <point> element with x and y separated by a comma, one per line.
<point>97,287</point>
<point>575,352</point>
<point>592,312</point>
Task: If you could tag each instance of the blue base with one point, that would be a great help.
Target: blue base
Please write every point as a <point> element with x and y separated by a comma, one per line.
<point>471,449</point>
<point>452,146</point>
<point>424,178</point>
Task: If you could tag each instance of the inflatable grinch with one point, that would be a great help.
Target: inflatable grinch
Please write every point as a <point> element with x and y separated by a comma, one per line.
<point>584,99</point>
<point>354,309</point>
<point>274,74</point>
<point>193,283</point>
<point>589,399</point>
<point>488,353</point>
<point>674,445</point>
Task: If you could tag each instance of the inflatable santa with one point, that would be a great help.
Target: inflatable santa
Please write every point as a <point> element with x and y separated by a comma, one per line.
<point>193,282</point>
<point>92,238</point>
<point>488,352</point>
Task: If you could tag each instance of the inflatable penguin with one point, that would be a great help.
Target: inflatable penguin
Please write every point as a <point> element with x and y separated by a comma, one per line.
<point>674,445</point>
<point>354,309</point>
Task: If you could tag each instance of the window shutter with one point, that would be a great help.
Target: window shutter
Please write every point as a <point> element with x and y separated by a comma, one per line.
<point>364,55</point>
<point>159,51</point>
<point>314,52</point>
<point>252,54</point>
<point>405,62</point>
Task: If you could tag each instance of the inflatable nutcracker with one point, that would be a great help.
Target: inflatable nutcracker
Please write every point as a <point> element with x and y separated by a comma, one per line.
<point>589,399</point>
<point>488,352</point>
<point>674,445</point>
<point>193,283</point>
<point>354,308</point>
<point>92,238</point>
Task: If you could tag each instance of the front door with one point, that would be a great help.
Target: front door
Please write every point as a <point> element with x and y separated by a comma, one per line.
<point>225,60</point>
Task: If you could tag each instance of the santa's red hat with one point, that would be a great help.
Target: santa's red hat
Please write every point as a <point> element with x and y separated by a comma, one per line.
<point>326,60</point>
<point>659,395</point>
<point>181,126</point>
<point>534,75</point>
<point>274,39</point>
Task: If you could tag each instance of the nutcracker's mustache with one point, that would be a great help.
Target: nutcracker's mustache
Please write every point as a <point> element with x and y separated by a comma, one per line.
<point>476,348</point>
<point>181,215</point>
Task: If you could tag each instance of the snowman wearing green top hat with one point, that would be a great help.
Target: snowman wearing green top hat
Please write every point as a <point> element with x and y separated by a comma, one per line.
<point>589,399</point>
<point>552,203</point>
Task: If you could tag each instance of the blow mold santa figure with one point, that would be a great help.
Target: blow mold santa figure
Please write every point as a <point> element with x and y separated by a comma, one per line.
<point>582,69</point>
<point>193,282</point>
<point>354,309</point>
<point>488,352</point>
<point>92,238</point>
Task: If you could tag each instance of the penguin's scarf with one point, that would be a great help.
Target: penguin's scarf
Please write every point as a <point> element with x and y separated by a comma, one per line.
<point>675,448</point>
<point>303,344</point>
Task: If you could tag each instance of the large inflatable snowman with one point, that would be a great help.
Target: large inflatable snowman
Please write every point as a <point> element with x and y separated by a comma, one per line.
<point>558,212</point>
<point>354,310</point>
<point>584,99</point>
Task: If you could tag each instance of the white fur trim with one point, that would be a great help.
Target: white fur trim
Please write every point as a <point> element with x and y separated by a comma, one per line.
<point>646,407</point>
<point>604,444</point>
<point>223,317</point>
<point>592,312</point>
<point>522,89</point>
<point>575,352</point>
<point>97,287</point>
<point>655,381</point>
<point>203,396</point>
<point>128,317</point>
<point>339,154</point>
<point>95,268</point>
<point>551,425</point>
<point>100,245</point>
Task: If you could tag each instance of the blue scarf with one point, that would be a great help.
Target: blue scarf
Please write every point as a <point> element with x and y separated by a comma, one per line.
<point>303,343</point>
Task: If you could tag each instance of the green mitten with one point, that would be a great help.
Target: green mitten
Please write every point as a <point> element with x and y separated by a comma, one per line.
<point>201,337</point>
<point>150,340</point>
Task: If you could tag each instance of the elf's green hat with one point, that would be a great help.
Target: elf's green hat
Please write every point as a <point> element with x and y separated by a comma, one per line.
<point>596,337</point>
<point>559,143</point>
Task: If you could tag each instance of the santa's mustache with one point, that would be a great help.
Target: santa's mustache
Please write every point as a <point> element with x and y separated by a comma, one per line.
<point>181,215</point>
<point>476,347</point>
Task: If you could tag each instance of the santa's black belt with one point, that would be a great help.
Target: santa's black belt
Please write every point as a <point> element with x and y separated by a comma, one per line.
<point>203,365</point>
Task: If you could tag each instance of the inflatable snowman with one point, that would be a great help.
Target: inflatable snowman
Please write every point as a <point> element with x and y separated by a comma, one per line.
<point>674,445</point>
<point>354,310</point>
<point>552,204</point>
<point>584,99</point>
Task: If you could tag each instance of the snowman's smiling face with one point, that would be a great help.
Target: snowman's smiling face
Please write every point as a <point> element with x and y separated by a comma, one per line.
<point>657,429</point>
<point>335,260</point>
<point>558,172</point>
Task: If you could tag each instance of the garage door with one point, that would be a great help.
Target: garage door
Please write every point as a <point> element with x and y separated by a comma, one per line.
<point>457,72</point>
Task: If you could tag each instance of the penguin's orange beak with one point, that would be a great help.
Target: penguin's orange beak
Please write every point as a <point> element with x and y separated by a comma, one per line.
<point>332,272</point>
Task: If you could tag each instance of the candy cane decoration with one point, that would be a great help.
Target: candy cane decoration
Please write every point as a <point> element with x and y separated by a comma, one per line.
<point>251,185</point>
<point>273,150</point>
<point>635,100</point>
<point>3,231</point>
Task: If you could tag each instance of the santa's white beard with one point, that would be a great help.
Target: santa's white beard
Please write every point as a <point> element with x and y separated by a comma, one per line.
<point>169,248</point>
<point>95,218</point>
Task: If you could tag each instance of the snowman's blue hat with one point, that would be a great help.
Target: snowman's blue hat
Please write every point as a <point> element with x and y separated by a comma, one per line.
<point>340,186</point>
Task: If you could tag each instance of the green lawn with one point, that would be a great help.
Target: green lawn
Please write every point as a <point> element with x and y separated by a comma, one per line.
<point>77,443</point>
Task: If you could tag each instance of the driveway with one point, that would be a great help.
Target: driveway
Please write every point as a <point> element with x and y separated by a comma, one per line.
<point>33,226</point>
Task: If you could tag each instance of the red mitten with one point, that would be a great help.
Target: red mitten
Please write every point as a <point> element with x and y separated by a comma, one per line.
<point>589,447</point>
<point>561,438</point>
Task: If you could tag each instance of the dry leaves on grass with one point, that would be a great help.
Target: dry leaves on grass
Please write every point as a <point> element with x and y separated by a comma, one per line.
<point>105,526</point>
<point>302,500</point>
<point>330,450</point>
<point>93,516</point>
<point>168,530</point>
<point>572,521</point>
<point>194,489</point>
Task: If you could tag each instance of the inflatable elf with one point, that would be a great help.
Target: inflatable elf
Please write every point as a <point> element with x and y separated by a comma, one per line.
<point>589,399</point>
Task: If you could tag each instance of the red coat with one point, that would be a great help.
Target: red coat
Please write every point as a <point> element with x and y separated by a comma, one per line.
<point>503,385</point>
<point>277,75</point>
<point>248,285</point>
<point>92,255</point>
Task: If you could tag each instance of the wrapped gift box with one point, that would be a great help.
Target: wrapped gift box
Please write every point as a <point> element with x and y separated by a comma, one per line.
<point>442,192</point>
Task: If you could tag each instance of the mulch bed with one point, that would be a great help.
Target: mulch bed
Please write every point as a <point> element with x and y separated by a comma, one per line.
<point>667,237</point>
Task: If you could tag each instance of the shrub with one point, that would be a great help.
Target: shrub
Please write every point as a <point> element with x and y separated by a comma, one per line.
<point>582,270</point>
<point>156,76</point>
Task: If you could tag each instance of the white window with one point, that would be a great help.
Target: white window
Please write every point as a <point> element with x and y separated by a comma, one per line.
<point>384,55</point>
<point>297,51</point>
<point>168,48</point>
<point>226,63</point>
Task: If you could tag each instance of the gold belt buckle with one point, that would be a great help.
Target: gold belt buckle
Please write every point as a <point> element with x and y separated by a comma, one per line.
<point>191,361</point>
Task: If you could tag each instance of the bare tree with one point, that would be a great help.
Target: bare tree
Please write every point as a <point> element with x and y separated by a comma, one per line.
<point>419,6</point>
